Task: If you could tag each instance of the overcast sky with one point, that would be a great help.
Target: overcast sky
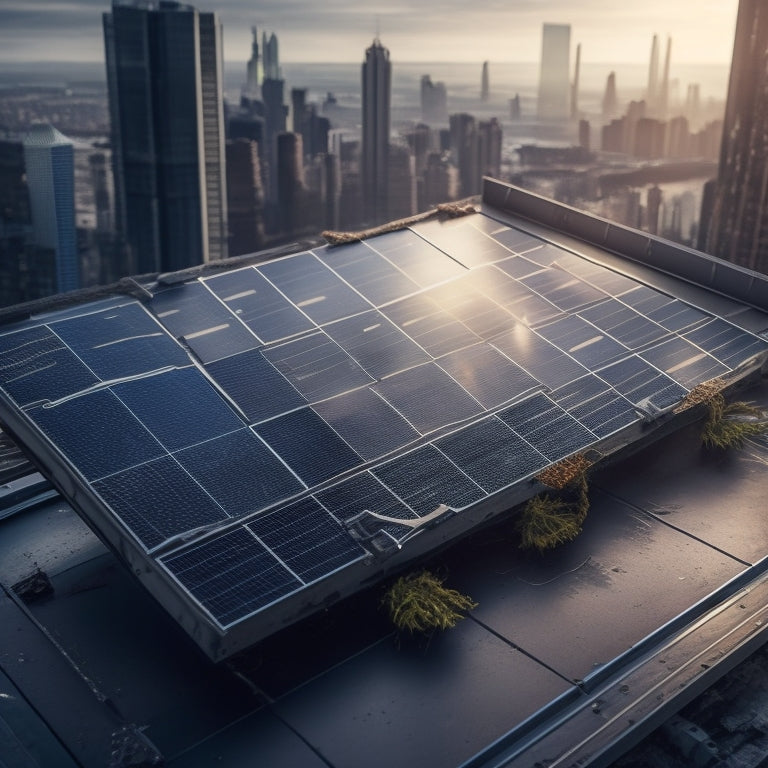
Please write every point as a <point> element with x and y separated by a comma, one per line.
<point>610,31</point>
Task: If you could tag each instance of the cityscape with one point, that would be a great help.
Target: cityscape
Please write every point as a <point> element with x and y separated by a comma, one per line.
<point>161,162</point>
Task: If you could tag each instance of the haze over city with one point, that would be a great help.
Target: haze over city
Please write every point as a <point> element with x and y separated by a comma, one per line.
<point>339,30</point>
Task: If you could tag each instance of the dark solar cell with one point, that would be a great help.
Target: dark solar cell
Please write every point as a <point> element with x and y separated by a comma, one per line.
<point>157,500</point>
<point>564,290</point>
<point>424,479</point>
<point>517,240</point>
<point>518,266</point>
<point>461,240</point>
<point>315,289</point>
<point>370,425</point>
<point>190,311</point>
<point>491,454</point>
<point>307,539</point>
<point>239,472</point>
<point>368,272</point>
<point>308,445</point>
<point>428,397</point>
<point>547,427</point>
<point>547,254</point>
<point>490,377</point>
<point>253,299</point>
<point>317,366</point>
<point>255,385</point>
<point>421,262</point>
<point>179,407</point>
<point>118,342</point>
<point>681,361</point>
<point>97,433</point>
<point>727,343</point>
<point>429,325</point>
<point>672,314</point>
<point>35,365</point>
<point>542,360</point>
<point>638,381</point>
<point>601,277</point>
<point>623,323</point>
<point>232,575</point>
<point>379,346</point>
<point>582,341</point>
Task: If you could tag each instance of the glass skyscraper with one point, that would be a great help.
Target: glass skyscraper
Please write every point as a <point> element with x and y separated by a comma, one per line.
<point>377,87</point>
<point>554,79</point>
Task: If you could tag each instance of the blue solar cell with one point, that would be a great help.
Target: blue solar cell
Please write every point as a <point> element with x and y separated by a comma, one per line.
<point>307,539</point>
<point>428,397</point>
<point>122,341</point>
<point>253,299</point>
<point>670,313</point>
<point>158,500</point>
<point>491,454</point>
<point>429,325</point>
<point>313,288</point>
<point>582,341</point>
<point>317,366</point>
<point>180,407</point>
<point>97,433</point>
<point>547,427</point>
<point>368,272</point>
<point>255,385</point>
<point>729,344</point>
<point>35,365</point>
<point>190,311</point>
<point>308,445</point>
<point>490,377</point>
<point>360,492</point>
<point>686,364</point>
<point>564,290</point>
<point>623,323</point>
<point>380,347</point>
<point>425,478</point>
<point>232,575</point>
<point>239,472</point>
<point>518,241</point>
<point>598,275</point>
<point>463,241</point>
<point>370,425</point>
<point>638,381</point>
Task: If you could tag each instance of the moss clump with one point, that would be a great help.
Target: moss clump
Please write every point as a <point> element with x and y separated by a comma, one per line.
<point>730,425</point>
<point>547,521</point>
<point>419,602</point>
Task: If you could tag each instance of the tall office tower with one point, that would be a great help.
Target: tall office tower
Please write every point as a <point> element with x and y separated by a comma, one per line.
<point>164,74</point>
<point>485,92</point>
<point>610,99</point>
<point>464,146</point>
<point>575,86</point>
<point>678,138</point>
<point>420,139</point>
<point>299,112</point>
<point>489,141</point>
<point>514,107</point>
<point>377,87</point>
<point>441,182</point>
<point>270,57</point>
<point>290,182</point>
<point>275,123</point>
<point>653,208</point>
<point>738,224</point>
<point>245,197</point>
<point>693,103</point>
<point>49,158</point>
<point>401,183</point>
<point>584,135</point>
<point>434,101</point>
<point>652,92</point>
<point>662,105</point>
<point>253,68</point>
<point>554,78</point>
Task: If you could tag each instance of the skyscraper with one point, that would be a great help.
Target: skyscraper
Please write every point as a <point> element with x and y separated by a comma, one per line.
<point>652,91</point>
<point>270,57</point>
<point>484,85</point>
<point>377,82</point>
<point>253,68</point>
<point>49,157</point>
<point>164,74</point>
<point>575,86</point>
<point>554,79</point>
<point>738,209</point>
<point>434,101</point>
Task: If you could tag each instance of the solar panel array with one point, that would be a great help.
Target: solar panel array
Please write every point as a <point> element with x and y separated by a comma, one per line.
<point>232,424</point>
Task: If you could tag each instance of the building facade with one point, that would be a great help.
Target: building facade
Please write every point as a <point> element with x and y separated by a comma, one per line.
<point>377,87</point>
<point>554,102</point>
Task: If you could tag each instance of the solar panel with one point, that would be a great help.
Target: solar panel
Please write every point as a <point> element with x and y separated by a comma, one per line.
<point>728,344</point>
<point>683,362</point>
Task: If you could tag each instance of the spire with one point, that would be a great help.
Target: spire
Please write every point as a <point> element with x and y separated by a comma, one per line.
<point>653,75</point>
<point>575,86</point>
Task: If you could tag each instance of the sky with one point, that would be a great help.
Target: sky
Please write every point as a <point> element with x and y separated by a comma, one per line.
<point>609,31</point>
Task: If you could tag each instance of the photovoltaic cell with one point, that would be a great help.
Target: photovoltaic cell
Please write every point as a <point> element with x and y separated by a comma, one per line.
<point>179,407</point>
<point>491,454</point>
<point>253,299</point>
<point>36,365</point>
<point>308,445</point>
<point>121,341</point>
<point>564,290</point>
<point>428,397</point>
<point>239,472</point>
<point>255,385</point>
<point>518,241</point>
<point>582,341</point>
<point>232,575</point>
<point>463,241</point>
<point>425,479</point>
<point>97,433</point>
<point>367,272</point>
<point>490,377</point>
<point>686,364</point>
<point>369,424</point>
<point>307,539</point>
<point>380,347</point>
<point>623,323</point>
<point>317,366</point>
<point>638,381</point>
<point>672,314</point>
<point>518,267</point>
<point>158,500</point>
<point>547,427</point>
<point>730,345</point>
<point>315,289</point>
<point>429,325</point>
<point>613,283</point>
